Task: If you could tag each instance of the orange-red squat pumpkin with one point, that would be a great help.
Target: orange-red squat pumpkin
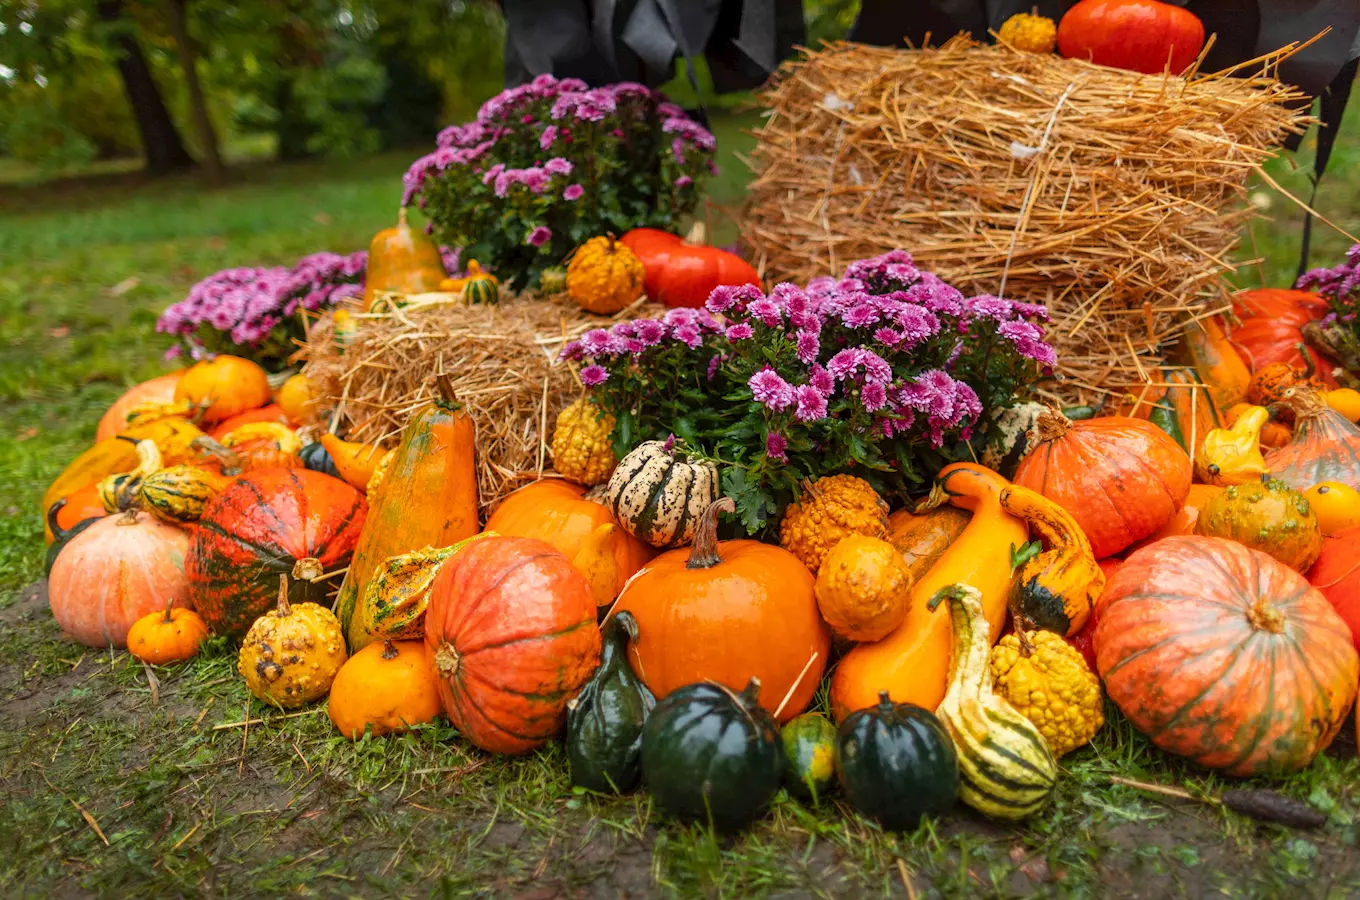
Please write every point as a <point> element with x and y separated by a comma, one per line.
<point>1139,35</point>
<point>1221,654</point>
<point>679,272</point>
<point>271,413</point>
<point>1120,478</point>
<point>115,572</point>
<point>1336,574</point>
<point>728,611</point>
<point>511,630</point>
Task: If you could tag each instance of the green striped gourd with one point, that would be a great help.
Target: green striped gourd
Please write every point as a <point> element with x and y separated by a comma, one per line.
<point>179,493</point>
<point>659,498</point>
<point>481,290</point>
<point>1006,769</point>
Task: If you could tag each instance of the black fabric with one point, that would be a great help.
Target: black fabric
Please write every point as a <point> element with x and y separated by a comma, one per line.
<point>1330,109</point>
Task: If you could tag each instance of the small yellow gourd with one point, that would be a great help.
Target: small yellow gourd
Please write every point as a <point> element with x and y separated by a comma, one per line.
<point>1048,681</point>
<point>1029,32</point>
<point>295,397</point>
<point>1058,587</point>
<point>581,446</point>
<point>604,276</point>
<point>1233,455</point>
<point>1345,401</point>
<point>290,654</point>
<point>1336,505</point>
<point>863,588</point>
<point>830,509</point>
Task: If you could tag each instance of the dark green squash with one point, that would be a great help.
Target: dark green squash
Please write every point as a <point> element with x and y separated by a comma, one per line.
<point>712,755</point>
<point>315,457</point>
<point>605,720</point>
<point>62,537</point>
<point>897,763</point>
<point>809,756</point>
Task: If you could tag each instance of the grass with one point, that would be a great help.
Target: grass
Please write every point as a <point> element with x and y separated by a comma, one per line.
<point>112,788</point>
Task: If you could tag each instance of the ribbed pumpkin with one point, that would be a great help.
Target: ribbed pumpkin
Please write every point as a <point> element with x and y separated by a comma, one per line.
<point>1267,515</point>
<point>1272,328</point>
<point>573,520</point>
<point>1120,478</point>
<point>266,524</point>
<point>1139,35</point>
<point>160,389</point>
<point>1221,654</point>
<point>728,611</point>
<point>604,276</point>
<point>113,573</point>
<point>658,497</point>
<point>1325,446</point>
<point>511,630</point>
<point>1336,575</point>
<point>427,498</point>
<point>897,763</point>
<point>402,259</point>
<point>224,386</point>
<point>684,272</point>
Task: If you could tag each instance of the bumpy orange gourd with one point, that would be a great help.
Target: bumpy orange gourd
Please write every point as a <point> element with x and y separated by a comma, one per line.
<point>604,276</point>
<point>922,538</point>
<point>863,588</point>
<point>912,663</point>
<point>160,389</point>
<point>728,611</point>
<point>1120,478</point>
<point>172,635</point>
<point>1337,506</point>
<point>1269,382</point>
<point>264,445</point>
<point>355,462</point>
<point>224,386</point>
<point>386,687</point>
<point>402,259</point>
<point>1268,516</point>
<point>1221,654</point>
<point>511,631</point>
<point>295,398</point>
<point>830,509</point>
<point>571,519</point>
<point>1030,33</point>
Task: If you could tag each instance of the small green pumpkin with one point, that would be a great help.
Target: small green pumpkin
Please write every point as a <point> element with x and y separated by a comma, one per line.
<point>712,755</point>
<point>481,290</point>
<point>315,457</point>
<point>605,720</point>
<point>809,756</point>
<point>897,763</point>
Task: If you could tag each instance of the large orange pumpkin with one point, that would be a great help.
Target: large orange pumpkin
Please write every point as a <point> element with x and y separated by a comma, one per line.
<point>115,572</point>
<point>1336,574</point>
<point>1121,478</point>
<point>680,272</point>
<point>160,389</point>
<point>1223,655</point>
<point>566,516</point>
<point>224,386</point>
<point>728,611</point>
<point>1272,328</point>
<point>511,630</point>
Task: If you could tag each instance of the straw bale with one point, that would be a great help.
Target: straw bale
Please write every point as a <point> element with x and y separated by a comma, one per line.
<point>1114,197</point>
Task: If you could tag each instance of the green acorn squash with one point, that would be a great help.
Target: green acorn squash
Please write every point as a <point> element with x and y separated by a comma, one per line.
<point>712,755</point>
<point>315,457</point>
<point>809,756</point>
<point>605,720</point>
<point>897,763</point>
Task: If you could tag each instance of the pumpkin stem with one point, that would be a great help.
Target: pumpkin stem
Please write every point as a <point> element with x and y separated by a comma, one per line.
<point>1309,364</point>
<point>1264,617</point>
<point>697,234</point>
<point>447,396</point>
<point>703,553</point>
<point>1052,425</point>
<point>446,660</point>
<point>389,650</point>
<point>885,702</point>
<point>308,569</point>
<point>401,218</point>
<point>750,697</point>
<point>284,608</point>
<point>169,605</point>
<point>1026,645</point>
<point>129,517</point>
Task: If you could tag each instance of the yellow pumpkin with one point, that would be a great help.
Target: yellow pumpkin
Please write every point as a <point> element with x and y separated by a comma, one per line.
<point>581,448</point>
<point>386,687</point>
<point>295,398</point>
<point>1337,506</point>
<point>403,260</point>
<point>604,276</point>
<point>290,654</point>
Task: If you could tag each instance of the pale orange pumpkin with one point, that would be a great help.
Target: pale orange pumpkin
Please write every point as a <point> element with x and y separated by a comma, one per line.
<point>224,386</point>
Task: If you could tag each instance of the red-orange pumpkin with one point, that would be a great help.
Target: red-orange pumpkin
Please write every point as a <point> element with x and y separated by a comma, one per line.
<point>1336,574</point>
<point>684,272</point>
<point>160,389</point>
<point>728,611</point>
<point>1223,655</point>
<point>266,523</point>
<point>1139,35</point>
<point>1271,329</point>
<point>511,630</point>
<point>115,572</point>
<point>1120,478</point>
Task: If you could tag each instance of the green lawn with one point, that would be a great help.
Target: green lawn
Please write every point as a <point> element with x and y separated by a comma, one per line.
<point>109,788</point>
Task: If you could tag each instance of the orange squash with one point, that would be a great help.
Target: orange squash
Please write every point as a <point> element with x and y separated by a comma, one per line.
<point>402,259</point>
<point>1336,574</point>
<point>294,398</point>
<point>1204,345</point>
<point>355,462</point>
<point>271,413</point>
<point>570,518</point>
<point>224,386</point>
<point>1120,478</point>
<point>1271,329</point>
<point>388,686</point>
<point>1183,522</point>
<point>80,505</point>
<point>160,389</point>
<point>172,635</point>
<point>428,498</point>
<point>912,663</point>
<point>728,611</point>
<point>923,538</point>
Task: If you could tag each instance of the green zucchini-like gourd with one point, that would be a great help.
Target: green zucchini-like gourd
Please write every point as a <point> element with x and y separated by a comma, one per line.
<point>712,755</point>
<point>659,498</point>
<point>315,457</point>
<point>809,756</point>
<point>1006,769</point>
<point>605,720</point>
<point>897,763</point>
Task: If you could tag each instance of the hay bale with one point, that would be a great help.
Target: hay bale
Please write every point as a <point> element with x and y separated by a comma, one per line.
<point>1114,197</point>
<point>504,361</point>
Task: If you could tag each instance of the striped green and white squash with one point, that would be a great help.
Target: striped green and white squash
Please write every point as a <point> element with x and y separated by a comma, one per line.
<point>179,494</point>
<point>659,497</point>
<point>1006,769</point>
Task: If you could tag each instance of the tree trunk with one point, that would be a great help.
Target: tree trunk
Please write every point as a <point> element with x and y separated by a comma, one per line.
<point>207,138</point>
<point>160,140</point>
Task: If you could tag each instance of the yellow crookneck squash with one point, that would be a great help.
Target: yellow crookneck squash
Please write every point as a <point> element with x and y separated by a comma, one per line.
<point>355,462</point>
<point>402,259</point>
<point>1233,455</point>
<point>1058,587</point>
<point>428,498</point>
<point>912,663</point>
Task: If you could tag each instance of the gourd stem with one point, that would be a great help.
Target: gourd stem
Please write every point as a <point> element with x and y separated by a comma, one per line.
<point>448,398</point>
<point>284,608</point>
<point>308,568</point>
<point>58,532</point>
<point>1264,617</point>
<point>129,517</point>
<point>169,605</point>
<point>401,217</point>
<point>1052,425</point>
<point>389,651</point>
<point>704,552</point>
<point>446,660</point>
<point>1309,365</point>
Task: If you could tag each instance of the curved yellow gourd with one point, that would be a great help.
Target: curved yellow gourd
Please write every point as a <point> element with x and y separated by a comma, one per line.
<point>1233,455</point>
<point>1057,588</point>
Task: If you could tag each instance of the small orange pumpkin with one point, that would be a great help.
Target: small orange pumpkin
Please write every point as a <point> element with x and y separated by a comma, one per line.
<point>172,635</point>
<point>388,686</point>
<point>223,387</point>
<point>1337,506</point>
<point>1269,382</point>
<point>295,398</point>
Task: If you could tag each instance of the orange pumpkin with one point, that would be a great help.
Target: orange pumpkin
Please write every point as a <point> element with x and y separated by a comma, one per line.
<point>1221,654</point>
<point>1325,445</point>
<point>388,686</point>
<point>1336,574</point>
<point>402,259</point>
<point>172,635</point>
<point>566,515</point>
<point>224,386</point>
<point>1271,329</point>
<point>1337,506</point>
<point>271,413</point>
<point>1085,640</point>
<point>115,572</point>
<point>294,398</point>
<point>684,272</point>
<point>1183,522</point>
<point>160,389</point>
<point>80,505</point>
<point>728,611</point>
<point>1120,478</point>
<point>511,629</point>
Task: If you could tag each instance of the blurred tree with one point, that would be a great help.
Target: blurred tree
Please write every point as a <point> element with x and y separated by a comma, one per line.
<point>161,142</point>
<point>207,138</point>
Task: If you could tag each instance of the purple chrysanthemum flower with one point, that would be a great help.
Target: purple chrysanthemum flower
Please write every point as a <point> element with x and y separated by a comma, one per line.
<point>573,192</point>
<point>766,311</point>
<point>874,396</point>
<point>771,390</point>
<point>739,332</point>
<point>776,447</point>
<point>548,138</point>
<point>811,404</point>
<point>594,375</point>
<point>650,332</point>
<point>1028,340</point>
<point>684,181</point>
<point>558,165</point>
<point>808,345</point>
<point>822,380</point>
<point>689,335</point>
<point>540,236</point>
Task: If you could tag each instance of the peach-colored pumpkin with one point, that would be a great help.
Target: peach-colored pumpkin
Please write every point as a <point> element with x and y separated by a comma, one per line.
<point>160,389</point>
<point>115,572</point>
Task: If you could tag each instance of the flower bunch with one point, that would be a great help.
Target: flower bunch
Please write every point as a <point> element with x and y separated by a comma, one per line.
<point>548,164</point>
<point>1339,332</point>
<point>252,312</point>
<point>888,373</point>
